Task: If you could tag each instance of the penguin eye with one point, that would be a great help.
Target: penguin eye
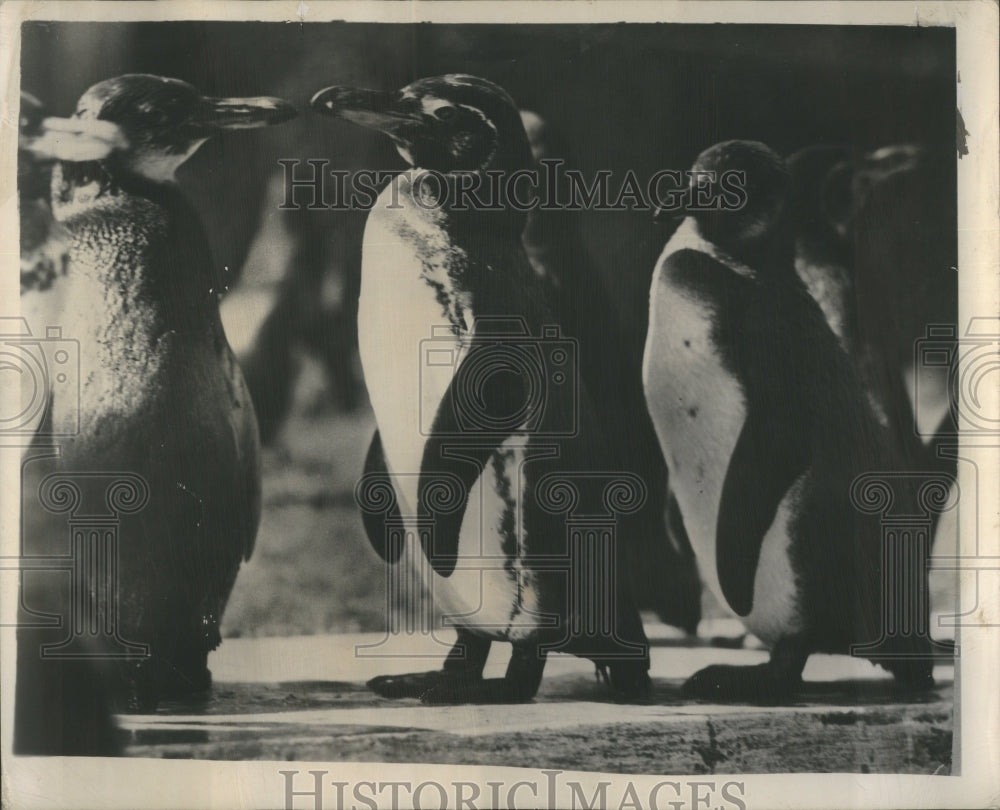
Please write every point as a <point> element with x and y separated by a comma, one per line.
<point>445,113</point>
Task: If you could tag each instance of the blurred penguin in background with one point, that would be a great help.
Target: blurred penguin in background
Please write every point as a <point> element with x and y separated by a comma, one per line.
<point>876,246</point>
<point>297,298</point>
<point>664,571</point>
<point>823,256</point>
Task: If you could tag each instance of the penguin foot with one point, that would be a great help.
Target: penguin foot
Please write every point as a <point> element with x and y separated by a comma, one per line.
<point>519,684</point>
<point>723,683</point>
<point>484,690</point>
<point>414,684</point>
<point>464,664</point>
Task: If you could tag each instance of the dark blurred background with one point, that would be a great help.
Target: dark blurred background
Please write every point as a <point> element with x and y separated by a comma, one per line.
<point>618,97</point>
<point>641,97</point>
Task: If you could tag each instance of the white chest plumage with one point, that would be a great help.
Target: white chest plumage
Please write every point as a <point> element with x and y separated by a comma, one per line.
<point>698,409</point>
<point>397,312</point>
<point>409,352</point>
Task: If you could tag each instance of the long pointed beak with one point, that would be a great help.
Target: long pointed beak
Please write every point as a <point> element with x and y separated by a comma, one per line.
<point>244,113</point>
<point>73,139</point>
<point>367,108</point>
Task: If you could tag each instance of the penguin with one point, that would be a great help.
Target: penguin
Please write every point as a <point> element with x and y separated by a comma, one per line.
<point>160,396</point>
<point>874,243</point>
<point>296,297</point>
<point>905,280</point>
<point>822,256</point>
<point>663,570</point>
<point>499,559</point>
<point>765,426</point>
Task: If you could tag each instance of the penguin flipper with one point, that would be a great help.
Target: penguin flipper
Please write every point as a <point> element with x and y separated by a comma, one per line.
<point>472,421</point>
<point>375,521</point>
<point>765,464</point>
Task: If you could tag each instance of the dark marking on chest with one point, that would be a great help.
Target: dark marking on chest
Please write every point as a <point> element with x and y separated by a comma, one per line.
<point>501,462</point>
<point>444,268</point>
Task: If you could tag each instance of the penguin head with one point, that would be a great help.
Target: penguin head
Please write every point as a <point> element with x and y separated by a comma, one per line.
<point>452,123</point>
<point>43,138</point>
<point>760,220</point>
<point>164,121</point>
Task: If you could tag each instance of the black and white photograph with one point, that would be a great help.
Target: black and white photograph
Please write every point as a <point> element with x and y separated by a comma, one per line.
<point>484,404</point>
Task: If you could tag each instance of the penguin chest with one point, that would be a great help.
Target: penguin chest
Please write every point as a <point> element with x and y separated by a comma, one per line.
<point>414,324</point>
<point>409,347</point>
<point>698,408</point>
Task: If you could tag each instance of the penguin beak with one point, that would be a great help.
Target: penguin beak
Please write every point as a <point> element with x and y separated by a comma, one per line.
<point>243,113</point>
<point>367,108</point>
<point>73,139</point>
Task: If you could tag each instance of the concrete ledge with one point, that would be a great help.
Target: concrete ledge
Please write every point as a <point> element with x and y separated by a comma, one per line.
<point>303,698</point>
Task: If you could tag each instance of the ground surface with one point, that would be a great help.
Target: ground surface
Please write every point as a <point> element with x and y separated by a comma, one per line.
<point>303,698</point>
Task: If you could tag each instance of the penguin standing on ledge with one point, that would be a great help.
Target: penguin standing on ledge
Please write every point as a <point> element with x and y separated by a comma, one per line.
<point>160,395</point>
<point>499,559</point>
<point>765,427</point>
